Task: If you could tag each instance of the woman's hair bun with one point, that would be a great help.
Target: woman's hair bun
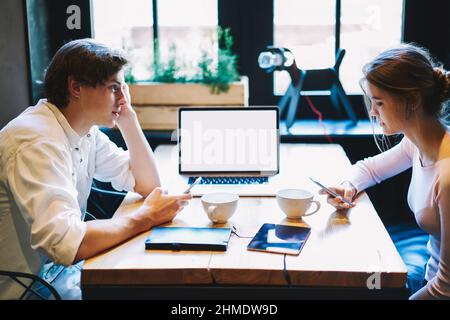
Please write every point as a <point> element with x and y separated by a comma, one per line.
<point>442,80</point>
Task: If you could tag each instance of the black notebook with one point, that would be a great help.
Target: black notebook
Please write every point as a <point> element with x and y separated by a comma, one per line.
<point>279,238</point>
<point>186,238</point>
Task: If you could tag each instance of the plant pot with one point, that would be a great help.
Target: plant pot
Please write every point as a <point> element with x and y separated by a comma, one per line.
<point>157,104</point>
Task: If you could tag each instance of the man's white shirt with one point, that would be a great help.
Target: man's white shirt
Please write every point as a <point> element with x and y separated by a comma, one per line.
<point>46,173</point>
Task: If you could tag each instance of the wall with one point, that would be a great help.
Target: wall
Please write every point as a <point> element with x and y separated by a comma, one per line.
<point>14,83</point>
<point>426,23</point>
<point>48,31</point>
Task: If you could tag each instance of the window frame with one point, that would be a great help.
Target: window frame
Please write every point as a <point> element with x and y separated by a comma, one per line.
<point>232,3</point>
<point>251,23</point>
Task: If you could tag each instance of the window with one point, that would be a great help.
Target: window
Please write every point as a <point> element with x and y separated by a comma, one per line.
<point>127,26</point>
<point>189,25</point>
<point>367,28</point>
<point>308,28</point>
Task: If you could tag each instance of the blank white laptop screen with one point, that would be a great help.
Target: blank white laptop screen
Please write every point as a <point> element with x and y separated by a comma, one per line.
<point>241,140</point>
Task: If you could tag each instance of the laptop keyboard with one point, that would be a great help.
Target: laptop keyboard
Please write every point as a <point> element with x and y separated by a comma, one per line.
<point>230,180</point>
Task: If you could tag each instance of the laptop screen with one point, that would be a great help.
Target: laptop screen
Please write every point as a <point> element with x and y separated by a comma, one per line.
<point>229,140</point>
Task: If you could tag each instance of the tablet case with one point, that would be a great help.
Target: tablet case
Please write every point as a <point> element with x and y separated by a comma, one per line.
<point>187,238</point>
<point>279,238</point>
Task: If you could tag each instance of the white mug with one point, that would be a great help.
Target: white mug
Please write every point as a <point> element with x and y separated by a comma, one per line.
<point>219,206</point>
<point>296,202</point>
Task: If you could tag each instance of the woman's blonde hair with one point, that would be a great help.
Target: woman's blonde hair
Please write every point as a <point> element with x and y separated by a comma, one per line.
<point>408,71</point>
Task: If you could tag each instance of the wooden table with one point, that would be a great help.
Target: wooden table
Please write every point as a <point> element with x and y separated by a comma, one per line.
<point>346,253</point>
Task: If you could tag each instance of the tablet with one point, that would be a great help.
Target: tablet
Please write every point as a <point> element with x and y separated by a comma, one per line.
<point>187,238</point>
<point>279,238</point>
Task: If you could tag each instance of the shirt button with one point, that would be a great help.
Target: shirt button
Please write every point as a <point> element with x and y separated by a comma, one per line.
<point>88,135</point>
<point>77,148</point>
<point>73,173</point>
<point>81,160</point>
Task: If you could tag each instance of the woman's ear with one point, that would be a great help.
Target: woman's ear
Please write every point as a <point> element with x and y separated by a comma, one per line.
<point>414,98</point>
<point>413,101</point>
<point>74,87</point>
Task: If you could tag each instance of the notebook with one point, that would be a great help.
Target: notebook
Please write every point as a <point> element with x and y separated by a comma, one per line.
<point>187,238</point>
<point>279,238</point>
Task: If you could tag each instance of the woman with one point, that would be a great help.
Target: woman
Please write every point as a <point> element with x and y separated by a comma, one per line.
<point>407,95</point>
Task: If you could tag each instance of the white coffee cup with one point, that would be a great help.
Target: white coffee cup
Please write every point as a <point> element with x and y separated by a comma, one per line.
<point>219,206</point>
<point>296,202</point>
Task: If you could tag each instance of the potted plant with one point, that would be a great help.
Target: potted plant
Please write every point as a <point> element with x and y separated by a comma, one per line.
<point>216,83</point>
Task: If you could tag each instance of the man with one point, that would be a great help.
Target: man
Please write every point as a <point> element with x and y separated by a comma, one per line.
<point>50,154</point>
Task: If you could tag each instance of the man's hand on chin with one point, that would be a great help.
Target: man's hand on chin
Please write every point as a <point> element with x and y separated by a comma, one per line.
<point>126,115</point>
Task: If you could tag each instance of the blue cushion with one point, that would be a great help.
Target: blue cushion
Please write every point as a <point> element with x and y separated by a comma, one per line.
<point>411,243</point>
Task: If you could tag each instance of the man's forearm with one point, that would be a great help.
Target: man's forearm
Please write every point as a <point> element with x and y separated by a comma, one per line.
<point>103,234</point>
<point>142,161</point>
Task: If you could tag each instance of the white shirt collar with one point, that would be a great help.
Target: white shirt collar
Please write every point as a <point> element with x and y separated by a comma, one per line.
<point>72,135</point>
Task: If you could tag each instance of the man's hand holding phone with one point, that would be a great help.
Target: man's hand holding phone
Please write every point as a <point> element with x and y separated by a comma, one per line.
<point>159,207</point>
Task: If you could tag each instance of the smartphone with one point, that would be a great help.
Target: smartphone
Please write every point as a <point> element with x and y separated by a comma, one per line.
<point>331,192</point>
<point>193,184</point>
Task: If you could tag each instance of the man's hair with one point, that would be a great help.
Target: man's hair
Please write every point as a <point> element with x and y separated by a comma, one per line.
<point>87,61</point>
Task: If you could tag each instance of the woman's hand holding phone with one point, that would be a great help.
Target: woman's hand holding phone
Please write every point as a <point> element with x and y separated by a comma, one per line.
<point>345,191</point>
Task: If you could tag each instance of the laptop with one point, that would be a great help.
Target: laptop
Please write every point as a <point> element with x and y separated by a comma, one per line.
<point>232,149</point>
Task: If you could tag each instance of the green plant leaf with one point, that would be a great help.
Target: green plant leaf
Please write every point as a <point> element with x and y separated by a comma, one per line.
<point>217,73</point>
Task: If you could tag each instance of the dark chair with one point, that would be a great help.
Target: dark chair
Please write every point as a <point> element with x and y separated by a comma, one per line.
<point>316,80</point>
<point>31,290</point>
<point>102,204</point>
<point>103,201</point>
